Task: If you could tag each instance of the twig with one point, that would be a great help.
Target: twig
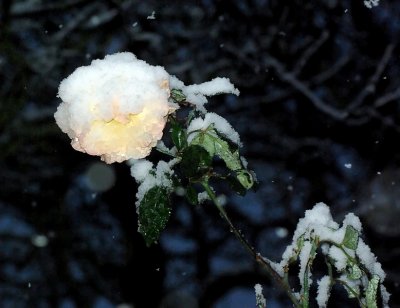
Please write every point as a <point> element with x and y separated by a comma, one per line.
<point>302,88</point>
<point>21,10</point>
<point>371,85</point>
<point>387,98</point>
<point>272,273</point>
<point>309,52</point>
<point>333,70</point>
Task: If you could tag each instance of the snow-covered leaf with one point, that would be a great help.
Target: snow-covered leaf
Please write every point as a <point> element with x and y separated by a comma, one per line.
<point>215,145</point>
<point>154,212</point>
<point>353,271</point>
<point>350,239</point>
<point>371,292</point>
<point>177,95</point>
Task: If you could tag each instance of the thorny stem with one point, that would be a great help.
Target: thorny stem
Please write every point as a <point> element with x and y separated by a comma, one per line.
<point>271,272</point>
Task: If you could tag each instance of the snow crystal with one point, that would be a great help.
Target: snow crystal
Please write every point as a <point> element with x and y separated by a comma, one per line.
<point>244,162</point>
<point>140,169</point>
<point>260,299</point>
<point>323,291</point>
<point>352,220</point>
<point>367,258</point>
<point>340,258</point>
<point>220,124</point>
<point>371,3</point>
<point>304,257</point>
<point>318,222</point>
<point>152,16</point>
<point>164,149</point>
<point>160,176</point>
<point>196,93</point>
<point>348,166</point>
<point>385,297</point>
<point>202,197</point>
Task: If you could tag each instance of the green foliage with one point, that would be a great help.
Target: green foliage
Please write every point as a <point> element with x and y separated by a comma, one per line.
<point>371,292</point>
<point>350,239</point>
<point>354,271</point>
<point>191,195</point>
<point>154,212</point>
<point>235,185</point>
<point>215,145</point>
<point>178,135</point>
<point>196,162</point>
<point>177,95</point>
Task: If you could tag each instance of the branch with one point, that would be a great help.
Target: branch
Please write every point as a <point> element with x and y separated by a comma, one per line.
<point>333,70</point>
<point>271,272</point>
<point>22,10</point>
<point>300,86</point>
<point>309,52</point>
<point>371,85</point>
<point>387,98</point>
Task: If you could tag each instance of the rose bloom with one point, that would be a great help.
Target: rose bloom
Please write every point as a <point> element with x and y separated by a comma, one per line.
<point>116,107</point>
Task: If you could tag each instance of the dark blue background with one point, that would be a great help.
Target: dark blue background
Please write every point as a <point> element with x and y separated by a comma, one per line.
<point>319,84</point>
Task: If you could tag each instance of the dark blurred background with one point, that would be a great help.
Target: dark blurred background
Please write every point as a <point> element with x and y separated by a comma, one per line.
<point>318,115</point>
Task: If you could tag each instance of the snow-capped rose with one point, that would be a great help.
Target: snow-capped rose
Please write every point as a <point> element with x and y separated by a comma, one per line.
<point>116,107</point>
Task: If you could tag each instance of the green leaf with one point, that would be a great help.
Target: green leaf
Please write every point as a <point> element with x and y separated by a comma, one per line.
<point>214,145</point>
<point>236,185</point>
<point>352,292</point>
<point>178,135</point>
<point>353,271</point>
<point>154,212</point>
<point>245,178</point>
<point>297,250</point>
<point>371,292</point>
<point>195,162</point>
<point>177,95</point>
<point>191,195</point>
<point>350,239</point>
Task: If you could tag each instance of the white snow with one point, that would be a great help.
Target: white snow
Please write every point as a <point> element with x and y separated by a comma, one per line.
<point>348,166</point>
<point>115,108</point>
<point>367,258</point>
<point>323,291</point>
<point>385,297</point>
<point>202,197</point>
<point>371,3</point>
<point>197,93</point>
<point>164,149</point>
<point>152,16</point>
<point>352,220</point>
<point>140,169</point>
<point>159,176</point>
<point>220,124</point>
<point>260,299</point>
<point>340,258</point>
<point>318,222</point>
<point>304,256</point>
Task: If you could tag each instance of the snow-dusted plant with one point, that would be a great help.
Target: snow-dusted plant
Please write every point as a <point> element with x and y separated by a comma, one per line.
<point>349,260</point>
<point>120,108</point>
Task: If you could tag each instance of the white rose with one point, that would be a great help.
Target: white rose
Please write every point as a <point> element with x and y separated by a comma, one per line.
<point>115,108</point>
